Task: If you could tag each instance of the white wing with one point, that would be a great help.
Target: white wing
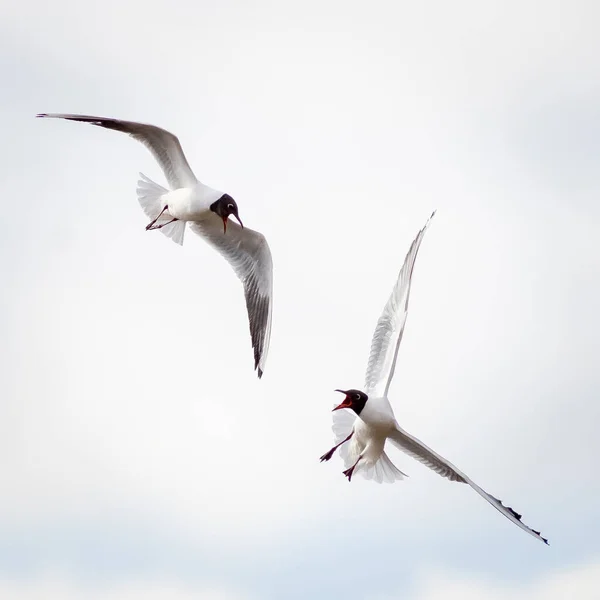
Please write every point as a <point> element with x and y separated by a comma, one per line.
<point>418,450</point>
<point>165,146</point>
<point>248,253</point>
<point>390,327</point>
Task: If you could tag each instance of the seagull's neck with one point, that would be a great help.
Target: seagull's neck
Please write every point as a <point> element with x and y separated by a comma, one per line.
<point>205,195</point>
<point>378,411</point>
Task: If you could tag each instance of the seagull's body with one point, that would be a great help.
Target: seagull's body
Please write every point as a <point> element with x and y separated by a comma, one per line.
<point>191,203</point>
<point>363,433</point>
<point>207,210</point>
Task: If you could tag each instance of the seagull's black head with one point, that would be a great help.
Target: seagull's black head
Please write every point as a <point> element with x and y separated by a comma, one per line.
<point>224,207</point>
<point>355,399</point>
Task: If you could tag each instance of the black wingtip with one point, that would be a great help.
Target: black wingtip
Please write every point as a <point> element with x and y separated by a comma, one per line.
<point>515,514</point>
<point>260,373</point>
<point>41,115</point>
<point>545,540</point>
<point>518,517</point>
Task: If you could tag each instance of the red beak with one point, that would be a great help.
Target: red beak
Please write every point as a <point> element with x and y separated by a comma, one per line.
<point>225,222</point>
<point>345,404</point>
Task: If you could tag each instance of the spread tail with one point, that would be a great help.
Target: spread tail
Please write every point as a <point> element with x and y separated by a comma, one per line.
<point>150,199</point>
<point>382,470</point>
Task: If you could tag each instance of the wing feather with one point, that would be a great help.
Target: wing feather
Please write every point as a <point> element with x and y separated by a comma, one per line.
<point>390,326</point>
<point>418,450</point>
<point>163,145</point>
<point>249,255</point>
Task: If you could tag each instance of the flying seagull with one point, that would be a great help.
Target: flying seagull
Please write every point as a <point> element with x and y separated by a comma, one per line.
<point>207,210</point>
<point>373,421</point>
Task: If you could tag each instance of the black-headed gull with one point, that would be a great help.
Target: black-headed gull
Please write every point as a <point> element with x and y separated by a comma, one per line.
<point>373,421</point>
<point>207,210</point>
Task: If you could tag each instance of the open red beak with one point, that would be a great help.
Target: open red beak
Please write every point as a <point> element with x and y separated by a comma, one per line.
<point>345,404</point>
<point>225,222</point>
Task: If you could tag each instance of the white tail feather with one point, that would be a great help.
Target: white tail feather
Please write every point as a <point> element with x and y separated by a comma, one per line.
<point>149,196</point>
<point>382,470</point>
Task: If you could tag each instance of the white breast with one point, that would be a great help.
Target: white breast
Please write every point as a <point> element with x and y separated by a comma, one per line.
<point>191,204</point>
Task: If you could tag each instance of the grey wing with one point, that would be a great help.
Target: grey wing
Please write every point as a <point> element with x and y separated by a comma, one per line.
<point>418,450</point>
<point>390,326</point>
<point>248,253</point>
<point>165,146</point>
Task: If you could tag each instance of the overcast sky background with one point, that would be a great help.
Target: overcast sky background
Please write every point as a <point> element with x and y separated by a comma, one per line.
<point>140,455</point>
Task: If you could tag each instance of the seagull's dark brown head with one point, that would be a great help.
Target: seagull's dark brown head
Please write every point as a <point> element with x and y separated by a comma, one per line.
<point>355,400</point>
<point>224,207</point>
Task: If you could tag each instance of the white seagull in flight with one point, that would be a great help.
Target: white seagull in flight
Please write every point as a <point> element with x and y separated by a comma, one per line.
<point>207,210</point>
<point>374,422</point>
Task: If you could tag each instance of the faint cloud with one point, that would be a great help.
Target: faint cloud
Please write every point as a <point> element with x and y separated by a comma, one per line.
<point>58,587</point>
<point>581,582</point>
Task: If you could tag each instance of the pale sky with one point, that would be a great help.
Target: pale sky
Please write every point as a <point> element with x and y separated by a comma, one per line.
<point>140,455</point>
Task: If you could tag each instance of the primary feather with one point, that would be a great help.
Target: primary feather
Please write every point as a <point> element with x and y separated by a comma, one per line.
<point>390,326</point>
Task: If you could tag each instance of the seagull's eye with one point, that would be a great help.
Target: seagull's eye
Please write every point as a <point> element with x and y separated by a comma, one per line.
<point>230,207</point>
<point>357,396</point>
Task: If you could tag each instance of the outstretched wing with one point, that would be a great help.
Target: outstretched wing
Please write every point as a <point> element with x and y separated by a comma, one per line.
<point>390,327</point>
<point>418,450</point>
<point>248,253</point>
<point>165,146</point>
